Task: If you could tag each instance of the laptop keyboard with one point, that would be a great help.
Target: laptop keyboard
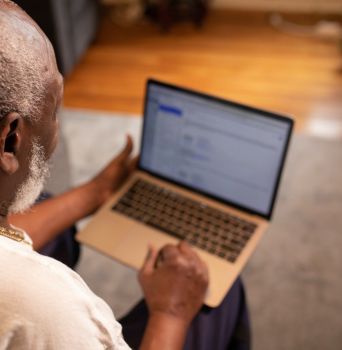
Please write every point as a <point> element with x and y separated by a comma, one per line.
<point>203,226</point>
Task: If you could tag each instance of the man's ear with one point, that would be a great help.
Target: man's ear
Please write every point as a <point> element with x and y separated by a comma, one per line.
<point>10,140</point>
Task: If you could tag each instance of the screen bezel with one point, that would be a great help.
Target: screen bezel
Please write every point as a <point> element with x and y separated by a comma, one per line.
<point>224,102</point>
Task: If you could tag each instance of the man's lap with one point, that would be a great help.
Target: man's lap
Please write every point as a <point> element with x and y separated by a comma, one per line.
<point>224,327</point>
<point>221,328</point>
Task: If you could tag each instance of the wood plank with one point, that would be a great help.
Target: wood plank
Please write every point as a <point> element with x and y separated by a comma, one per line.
<point>236,55</point>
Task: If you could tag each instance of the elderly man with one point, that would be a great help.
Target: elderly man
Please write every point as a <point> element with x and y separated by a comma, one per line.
<point>44,304</point>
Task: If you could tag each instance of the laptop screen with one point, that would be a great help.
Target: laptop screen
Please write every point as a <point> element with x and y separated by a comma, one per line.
<point>225,150</point>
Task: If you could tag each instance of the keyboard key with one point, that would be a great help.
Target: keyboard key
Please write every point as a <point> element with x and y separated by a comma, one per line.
<point>208,228</point>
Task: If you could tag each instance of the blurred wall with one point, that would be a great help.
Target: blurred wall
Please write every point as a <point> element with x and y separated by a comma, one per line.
<point>308,6</point>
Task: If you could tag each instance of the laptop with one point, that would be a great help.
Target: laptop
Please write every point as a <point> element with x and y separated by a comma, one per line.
<point>208,173</point>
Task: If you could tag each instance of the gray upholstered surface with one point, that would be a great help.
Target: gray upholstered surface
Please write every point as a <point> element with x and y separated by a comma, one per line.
<point>71,25</point>
<point>293,281</point>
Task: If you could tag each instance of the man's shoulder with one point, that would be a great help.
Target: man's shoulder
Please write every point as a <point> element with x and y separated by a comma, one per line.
<point>40,291</point>
<point>23,265</point>
<point>29,278</point>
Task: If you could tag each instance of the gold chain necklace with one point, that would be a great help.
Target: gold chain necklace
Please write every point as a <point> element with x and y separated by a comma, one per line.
<point>12,234</point>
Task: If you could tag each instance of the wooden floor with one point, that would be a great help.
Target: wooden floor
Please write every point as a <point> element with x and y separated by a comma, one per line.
<point>238,56</point>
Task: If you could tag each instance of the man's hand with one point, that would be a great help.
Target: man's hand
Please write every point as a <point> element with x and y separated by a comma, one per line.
<point>174,282</point>
<point>113,175</point>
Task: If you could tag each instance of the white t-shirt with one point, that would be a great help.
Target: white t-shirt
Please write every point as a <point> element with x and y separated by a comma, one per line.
<point>44,305</point>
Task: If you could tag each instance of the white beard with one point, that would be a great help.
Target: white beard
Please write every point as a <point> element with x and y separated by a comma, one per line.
<point>33,185</point>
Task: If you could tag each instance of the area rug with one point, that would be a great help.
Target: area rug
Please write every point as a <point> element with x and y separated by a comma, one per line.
<point>293,281</point>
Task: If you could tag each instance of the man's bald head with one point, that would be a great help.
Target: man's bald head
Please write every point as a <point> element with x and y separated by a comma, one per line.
<point>30,93</point>
<point>27,63</point>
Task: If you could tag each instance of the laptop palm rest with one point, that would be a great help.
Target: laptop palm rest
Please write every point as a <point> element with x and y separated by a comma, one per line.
<point>127,241</point>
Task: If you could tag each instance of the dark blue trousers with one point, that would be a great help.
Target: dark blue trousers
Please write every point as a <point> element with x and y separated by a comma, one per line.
<point>222,328</point>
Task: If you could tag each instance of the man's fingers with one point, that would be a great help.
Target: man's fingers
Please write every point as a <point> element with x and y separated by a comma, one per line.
<point>150,260</point>
<point>186,249</point>
<point>169,251</point>
<point>133,164</point>
<point>127,150</point>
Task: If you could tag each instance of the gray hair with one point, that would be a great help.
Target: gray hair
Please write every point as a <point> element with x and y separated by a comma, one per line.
<point>22,84</point>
